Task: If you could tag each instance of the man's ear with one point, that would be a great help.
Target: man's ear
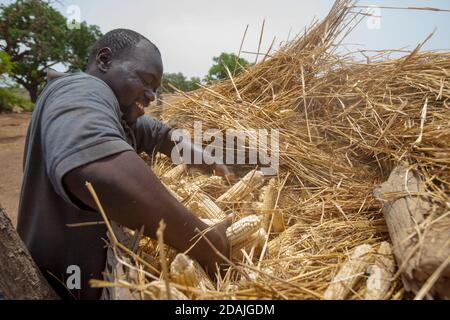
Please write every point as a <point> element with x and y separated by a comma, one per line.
<point>103,59</point>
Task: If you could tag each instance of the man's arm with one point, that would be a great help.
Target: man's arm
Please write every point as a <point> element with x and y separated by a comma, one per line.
<point>133,196</point>
<point>153,136</point>
<point>218,168</point>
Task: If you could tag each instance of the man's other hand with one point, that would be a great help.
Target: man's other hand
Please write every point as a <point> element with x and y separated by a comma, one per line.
<point>211,255</point>
<point>224,171</point>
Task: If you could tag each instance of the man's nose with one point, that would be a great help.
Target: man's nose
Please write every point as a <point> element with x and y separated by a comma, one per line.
<point>151,95</point>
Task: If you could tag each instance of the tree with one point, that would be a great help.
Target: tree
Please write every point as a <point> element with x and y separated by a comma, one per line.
<point>8,99</point>
<point>194,83</point>
<point>80,43</point>
<point>5,63</point>
<point>179,81</point>
<point>36,37</point>
<point>218,70</point>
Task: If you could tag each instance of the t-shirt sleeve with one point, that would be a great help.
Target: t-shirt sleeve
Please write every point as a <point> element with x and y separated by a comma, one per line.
<point>79,125</point>
<point>150,135</point>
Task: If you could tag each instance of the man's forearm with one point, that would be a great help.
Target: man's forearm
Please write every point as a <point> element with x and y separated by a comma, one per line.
<point>207,163</point>
<point>133,196</point>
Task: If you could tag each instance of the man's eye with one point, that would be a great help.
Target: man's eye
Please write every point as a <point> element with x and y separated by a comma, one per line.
<point>144,82</point>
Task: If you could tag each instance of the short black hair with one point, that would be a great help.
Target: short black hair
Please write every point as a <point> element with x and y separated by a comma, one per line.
<point>120,41</point>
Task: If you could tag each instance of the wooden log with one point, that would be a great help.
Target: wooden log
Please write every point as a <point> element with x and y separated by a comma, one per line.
<point>420,246</point>
<point>20,278</point>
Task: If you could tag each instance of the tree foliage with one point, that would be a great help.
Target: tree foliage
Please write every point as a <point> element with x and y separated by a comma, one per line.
<point>217,72</point>
<point>5,63</point>
<point>179,81</point>
<point>36,37</point>
<point>8,98</point>
<point>80,42</point>
<point>226,60</point>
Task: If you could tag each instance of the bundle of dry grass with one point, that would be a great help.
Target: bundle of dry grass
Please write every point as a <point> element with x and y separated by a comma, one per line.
<point>343,125</point>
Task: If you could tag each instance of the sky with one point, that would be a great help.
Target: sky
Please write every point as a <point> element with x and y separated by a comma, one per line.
<point>190,33</point>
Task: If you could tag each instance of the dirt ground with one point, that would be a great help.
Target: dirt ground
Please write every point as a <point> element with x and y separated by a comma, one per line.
<point>13,129</point>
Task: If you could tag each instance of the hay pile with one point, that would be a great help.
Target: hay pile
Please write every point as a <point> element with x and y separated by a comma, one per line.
<point>343,125</point>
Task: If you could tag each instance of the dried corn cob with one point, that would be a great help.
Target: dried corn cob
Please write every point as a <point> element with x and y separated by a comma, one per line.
<point>201,204</point>
<point>198,202</point>
<point>254,242</point>
<point>254,275</point>
<point>188,272</point>
<point>267,207</point>
<point>252,180</point>
<point>174,174</point>
<point>278,245</point>
<point>210,222</point>
<point>204,205</point>
<point>384,257</point>
<point>349,273</point>
<point>379,282</point>
<point>206,181</point>
<point>157,291</point>
<point>241,230</point>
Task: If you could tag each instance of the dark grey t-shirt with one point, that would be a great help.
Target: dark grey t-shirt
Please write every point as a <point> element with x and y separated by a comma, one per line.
<point>77,120</point>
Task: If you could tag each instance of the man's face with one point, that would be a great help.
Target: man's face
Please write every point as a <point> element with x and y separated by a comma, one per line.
<point>134,79</point>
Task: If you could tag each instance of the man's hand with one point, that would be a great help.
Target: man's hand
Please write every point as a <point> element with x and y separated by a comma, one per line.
<point>210,254</point>
<point>225,172</point>
<point>198,152</point>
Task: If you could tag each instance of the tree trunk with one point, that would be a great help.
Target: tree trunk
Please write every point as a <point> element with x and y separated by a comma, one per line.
<point>20,278</point>
<point>33,91</point>
<point>420,246</point>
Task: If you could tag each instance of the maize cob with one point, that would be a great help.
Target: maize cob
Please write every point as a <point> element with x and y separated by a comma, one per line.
<point>254,275</point>
<point>188,272</point>
<point>200,203</point>
<point>267,207</point>
<point>384,258</point>
<point>157,291</point>
<point>241,230</point>
<point>254,242</point>
<point>379,282</point>
<point>210,222</point>
<point>205,206</point>
<point>174,174</point>
<point>287,239</point>
<point>206,181</point>
<point>252,180</point>
<point>349,273</point>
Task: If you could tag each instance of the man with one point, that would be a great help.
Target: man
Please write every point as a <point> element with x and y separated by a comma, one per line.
<point>90,127</point>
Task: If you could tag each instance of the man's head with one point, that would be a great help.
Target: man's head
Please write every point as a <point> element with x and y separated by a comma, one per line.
<point>131,65</point>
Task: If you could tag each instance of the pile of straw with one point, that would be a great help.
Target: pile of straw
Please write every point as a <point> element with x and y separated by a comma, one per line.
<point>343,125</point>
